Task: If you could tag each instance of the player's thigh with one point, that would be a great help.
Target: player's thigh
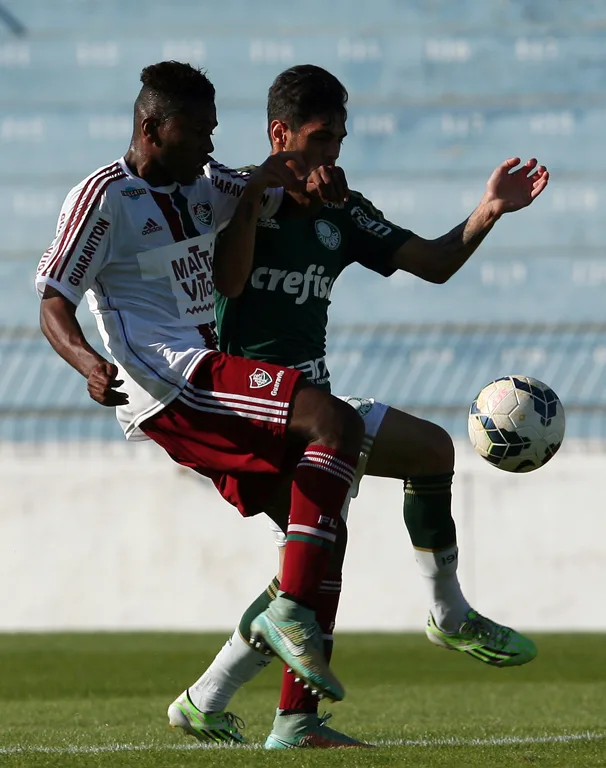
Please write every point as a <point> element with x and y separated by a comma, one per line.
<point>406,446</point>
<point>318,416</point>
<point>230,424</point>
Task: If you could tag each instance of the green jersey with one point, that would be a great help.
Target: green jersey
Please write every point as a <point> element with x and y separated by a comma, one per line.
<point>282,314</point>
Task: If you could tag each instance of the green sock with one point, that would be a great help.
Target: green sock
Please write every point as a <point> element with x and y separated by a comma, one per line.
<point>258,606</point>
<point>427,511</point>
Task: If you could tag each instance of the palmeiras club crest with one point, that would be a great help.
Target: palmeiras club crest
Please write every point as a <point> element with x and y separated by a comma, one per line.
<point>204,213</point>
<point>259,378</point>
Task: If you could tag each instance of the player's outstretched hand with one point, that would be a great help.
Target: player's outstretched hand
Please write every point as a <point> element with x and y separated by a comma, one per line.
<point>284,169</point>
<point>328,182</point>
<point>509,190</point>
<point>102,385</point>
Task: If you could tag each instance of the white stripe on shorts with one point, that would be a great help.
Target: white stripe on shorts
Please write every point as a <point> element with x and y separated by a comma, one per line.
<point>231,396</point>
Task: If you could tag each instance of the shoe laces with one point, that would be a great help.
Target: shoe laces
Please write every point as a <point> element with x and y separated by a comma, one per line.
<point>234,722</point>
<point>486,631</point>
<point>323,719</point>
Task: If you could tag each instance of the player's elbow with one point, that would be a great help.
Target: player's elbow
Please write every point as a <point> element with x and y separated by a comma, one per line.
<point>439,277</point>
<point>433,274</point>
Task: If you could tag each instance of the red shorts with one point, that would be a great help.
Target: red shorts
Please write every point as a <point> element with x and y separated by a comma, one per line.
<point>229,424</point>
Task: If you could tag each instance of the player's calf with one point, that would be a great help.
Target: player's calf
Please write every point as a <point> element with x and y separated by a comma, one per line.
<point>333,432</point>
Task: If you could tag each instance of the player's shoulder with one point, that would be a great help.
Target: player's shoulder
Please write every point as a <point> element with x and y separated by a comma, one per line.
<point>357,200</point>
<point>362,214</point>
<point>100,186</point>
<point>214,170</point>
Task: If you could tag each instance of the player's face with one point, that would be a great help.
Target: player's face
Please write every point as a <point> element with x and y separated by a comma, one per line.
<point>319,140</point>
<point>186,142</point>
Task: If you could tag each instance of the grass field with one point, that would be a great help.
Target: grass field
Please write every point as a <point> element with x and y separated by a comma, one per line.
<point>100,700</point>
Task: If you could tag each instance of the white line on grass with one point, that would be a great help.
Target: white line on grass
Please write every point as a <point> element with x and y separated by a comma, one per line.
<point>495,741</point>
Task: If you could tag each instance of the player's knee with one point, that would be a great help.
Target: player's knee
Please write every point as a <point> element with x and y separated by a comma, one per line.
<point>319,417</point>
<point>440,452</point>
<point>340,426</point>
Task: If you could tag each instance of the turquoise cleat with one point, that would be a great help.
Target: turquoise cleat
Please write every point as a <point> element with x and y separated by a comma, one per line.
<point>307,731</point>
<point>291,632</point>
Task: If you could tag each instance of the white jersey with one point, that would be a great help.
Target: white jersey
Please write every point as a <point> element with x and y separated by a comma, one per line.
<point>144,258</point>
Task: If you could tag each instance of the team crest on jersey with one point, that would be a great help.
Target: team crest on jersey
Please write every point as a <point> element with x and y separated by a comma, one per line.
<point>133,192</point>
<point>260,378</point>
<point>361,404</point>
<point>328,234</point>
<point>204,213</point>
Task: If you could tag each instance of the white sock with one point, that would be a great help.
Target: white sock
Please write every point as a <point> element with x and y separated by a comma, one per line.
<point>235,664</point>
<point>439,570</point>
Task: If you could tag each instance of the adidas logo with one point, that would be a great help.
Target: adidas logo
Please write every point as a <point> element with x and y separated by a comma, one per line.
<point>268,223</point>
<point>150,227</point>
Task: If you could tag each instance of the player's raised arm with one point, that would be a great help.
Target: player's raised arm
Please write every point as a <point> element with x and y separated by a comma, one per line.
<point>235,248</point>
<point>507,190</point>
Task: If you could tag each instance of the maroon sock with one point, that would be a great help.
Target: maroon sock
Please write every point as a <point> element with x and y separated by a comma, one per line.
<point>320,485</point>
<point>293,697</point>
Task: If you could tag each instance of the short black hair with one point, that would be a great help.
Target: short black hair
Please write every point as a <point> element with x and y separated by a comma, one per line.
<point>301,92</point>
<point>170,87</point>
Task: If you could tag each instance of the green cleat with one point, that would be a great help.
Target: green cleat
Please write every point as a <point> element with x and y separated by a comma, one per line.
<point>291,632</point>
<point>216,727</point>
<point>485,640</point>
<point>307,731</point>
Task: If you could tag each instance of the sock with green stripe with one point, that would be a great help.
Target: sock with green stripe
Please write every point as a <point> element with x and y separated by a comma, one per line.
<point>258,606</point>
<point>320,486</point>
<point>428,517</point>
<point>294,698</point>
<point>236,663</point>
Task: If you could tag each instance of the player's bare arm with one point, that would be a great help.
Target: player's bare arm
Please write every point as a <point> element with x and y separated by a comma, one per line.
<point>507,190</point>
<point>60,326</point>
<point>235,249</point>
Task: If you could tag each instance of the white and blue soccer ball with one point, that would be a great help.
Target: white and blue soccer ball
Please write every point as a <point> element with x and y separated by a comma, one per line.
<point>516,423</point>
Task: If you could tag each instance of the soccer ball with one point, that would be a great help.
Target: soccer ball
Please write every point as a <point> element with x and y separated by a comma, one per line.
<point>516,423</point>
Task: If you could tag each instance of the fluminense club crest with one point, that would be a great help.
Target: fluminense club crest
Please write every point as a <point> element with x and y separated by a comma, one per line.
<point>204,213</point>
<point>259,378</point>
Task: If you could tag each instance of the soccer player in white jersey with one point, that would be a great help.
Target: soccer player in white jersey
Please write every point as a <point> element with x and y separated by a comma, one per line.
<point>137,238</point>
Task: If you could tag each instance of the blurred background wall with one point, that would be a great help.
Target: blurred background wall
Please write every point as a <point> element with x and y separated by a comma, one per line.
<point>95,532</point>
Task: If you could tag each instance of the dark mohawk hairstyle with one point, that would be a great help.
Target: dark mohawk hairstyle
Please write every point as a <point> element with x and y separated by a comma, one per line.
<point>171,86</point>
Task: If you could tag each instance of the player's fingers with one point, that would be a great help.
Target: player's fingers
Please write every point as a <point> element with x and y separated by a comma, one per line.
<point>107,397</point>
<point>294,160</point>
<point>288,179</point>
<point>530,166</point>
<point>510,163</point>
<point>539,187</point>
<point>340,183</point>
<point>327,184</point>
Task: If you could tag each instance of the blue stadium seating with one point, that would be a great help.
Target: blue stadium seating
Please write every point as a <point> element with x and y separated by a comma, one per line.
<point>433,370</point>
<point>440,93</point>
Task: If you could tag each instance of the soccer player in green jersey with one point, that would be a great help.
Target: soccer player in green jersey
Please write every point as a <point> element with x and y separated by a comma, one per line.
<point>281,317</point>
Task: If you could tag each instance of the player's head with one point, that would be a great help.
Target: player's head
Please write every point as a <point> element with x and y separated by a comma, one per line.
<point>306,111</point>
<point>175,116</point>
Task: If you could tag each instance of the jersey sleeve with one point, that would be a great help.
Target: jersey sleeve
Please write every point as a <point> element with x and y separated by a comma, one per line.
<point>227,186</point>
<point>80,247</point>
<point>373,239</point>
